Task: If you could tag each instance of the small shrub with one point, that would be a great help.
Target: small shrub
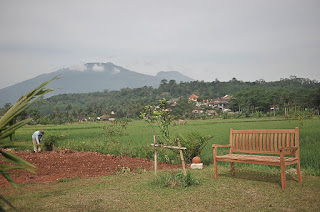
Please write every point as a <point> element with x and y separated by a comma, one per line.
<point>125,119</point>
<point>50,141</point>
<point>225,115</point>
<point>140,170</point>
<point>194,142</point>
<point>68,179</point>
<point>123,170</point>
<point>174,179</point>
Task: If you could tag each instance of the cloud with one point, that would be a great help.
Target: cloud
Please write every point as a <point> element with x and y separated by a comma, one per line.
<point>116,71</point>
<point>78,67</point>
<point>213,39</point>
<point>98,68</point>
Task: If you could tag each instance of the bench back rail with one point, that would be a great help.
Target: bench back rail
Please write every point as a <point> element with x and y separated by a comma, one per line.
<point>263,141</point>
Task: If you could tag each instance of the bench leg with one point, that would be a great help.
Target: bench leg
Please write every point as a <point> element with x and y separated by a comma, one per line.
<point>299,172</point>
<point>215,164</point>
<point>233,172</point>
<point>283,170</point>
<point>283,177</point>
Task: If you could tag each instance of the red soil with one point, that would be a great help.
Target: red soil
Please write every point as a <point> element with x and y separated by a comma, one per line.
<point>64,163</point>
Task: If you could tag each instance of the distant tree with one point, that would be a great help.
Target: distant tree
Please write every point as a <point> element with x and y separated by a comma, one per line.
<point>164,82</point>
<point>160,115</point>
<point>183,107</point>
<point>254,96</point>
<point>69,107</point>
<point>34,113</point>
<point>7,106</point>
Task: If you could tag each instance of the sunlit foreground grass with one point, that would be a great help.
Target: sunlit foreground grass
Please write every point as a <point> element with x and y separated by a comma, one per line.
<point>249,190</point>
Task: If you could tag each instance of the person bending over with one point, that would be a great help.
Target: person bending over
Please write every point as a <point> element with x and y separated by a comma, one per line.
<point>36,139</point>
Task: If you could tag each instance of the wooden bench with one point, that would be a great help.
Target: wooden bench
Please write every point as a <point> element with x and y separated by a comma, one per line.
<point>257,145</point>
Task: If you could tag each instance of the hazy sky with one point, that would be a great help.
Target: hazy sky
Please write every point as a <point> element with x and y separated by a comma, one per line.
<point>205,40</point>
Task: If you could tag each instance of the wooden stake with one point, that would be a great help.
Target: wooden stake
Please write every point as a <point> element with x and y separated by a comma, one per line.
<point>169,147</point>
<point>155,145</point>
<point>155,154</point>
<point>182,159</point>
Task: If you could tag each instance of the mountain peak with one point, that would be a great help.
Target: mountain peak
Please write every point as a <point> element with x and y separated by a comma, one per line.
<point>100,67</point>
<point>91,77</point>
<point>168,75</point>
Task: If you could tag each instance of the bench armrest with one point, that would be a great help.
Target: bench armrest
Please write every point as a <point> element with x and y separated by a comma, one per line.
<point>215,150</point>
<point>220,145</point>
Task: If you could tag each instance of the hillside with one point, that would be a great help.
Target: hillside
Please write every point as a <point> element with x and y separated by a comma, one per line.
<point>250,97</point>
<point>95,77</point>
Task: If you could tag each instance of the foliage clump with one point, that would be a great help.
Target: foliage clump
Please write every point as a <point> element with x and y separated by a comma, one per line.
<point>194,142</point>
<point>174,179</point>
<point>115,131</point>
<point>160,115</point>
<point>50,141</point>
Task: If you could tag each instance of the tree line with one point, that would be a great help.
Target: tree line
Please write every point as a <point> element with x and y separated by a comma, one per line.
<point>286,95</point>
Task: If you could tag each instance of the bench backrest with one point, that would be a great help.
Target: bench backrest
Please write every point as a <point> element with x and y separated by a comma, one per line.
<point>263,141</point>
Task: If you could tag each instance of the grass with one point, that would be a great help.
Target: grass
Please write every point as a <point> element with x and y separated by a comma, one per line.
<point>254,188</point>
<point>174,179</point>
<point>139,136</point>
<point>249,190</point>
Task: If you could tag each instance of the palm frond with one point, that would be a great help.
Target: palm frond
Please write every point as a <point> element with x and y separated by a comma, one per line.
<point>24,102</point>
<point>8,203</point>
<point>7,176</point>
<point>8,145</point>
<point>9,130</point>
<point>8,126</point>
<point>15,159</point>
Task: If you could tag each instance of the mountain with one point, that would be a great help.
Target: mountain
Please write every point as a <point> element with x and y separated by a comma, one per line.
<point>94,77</point>
<point>173,75</point>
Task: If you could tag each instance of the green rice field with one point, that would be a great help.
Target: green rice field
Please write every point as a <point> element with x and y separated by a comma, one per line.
<point>139,136</point>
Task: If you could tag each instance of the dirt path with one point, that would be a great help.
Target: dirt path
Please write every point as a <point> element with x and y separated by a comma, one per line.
<point>64,163</point>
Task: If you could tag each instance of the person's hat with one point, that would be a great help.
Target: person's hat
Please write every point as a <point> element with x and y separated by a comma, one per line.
<point>41,132</point>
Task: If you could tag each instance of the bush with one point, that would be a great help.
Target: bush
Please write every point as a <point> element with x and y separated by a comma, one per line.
<point>49,142</point>
<point>257,114</point>
<point>174,179</point>
<point>225,115</point>
<point>194,142</point>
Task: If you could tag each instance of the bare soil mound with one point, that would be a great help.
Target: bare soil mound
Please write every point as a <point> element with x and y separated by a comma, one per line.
<point>65,163</point>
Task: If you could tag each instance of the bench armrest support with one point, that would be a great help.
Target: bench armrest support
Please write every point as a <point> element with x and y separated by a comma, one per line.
<point>214,146</point>
<point>283,150</point>
<point>288,148</point>
<point>220,145</point>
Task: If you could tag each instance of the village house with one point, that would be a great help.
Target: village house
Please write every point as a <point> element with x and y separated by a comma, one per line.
<point>193,98</point>
<point>197,110</point>
<point>219,103</point>
<point>106,117</point>
<point>211,112</point>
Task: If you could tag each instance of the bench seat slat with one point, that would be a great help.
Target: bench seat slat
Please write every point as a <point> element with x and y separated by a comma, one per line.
<point>256,152</point>
<point>272,160</point>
